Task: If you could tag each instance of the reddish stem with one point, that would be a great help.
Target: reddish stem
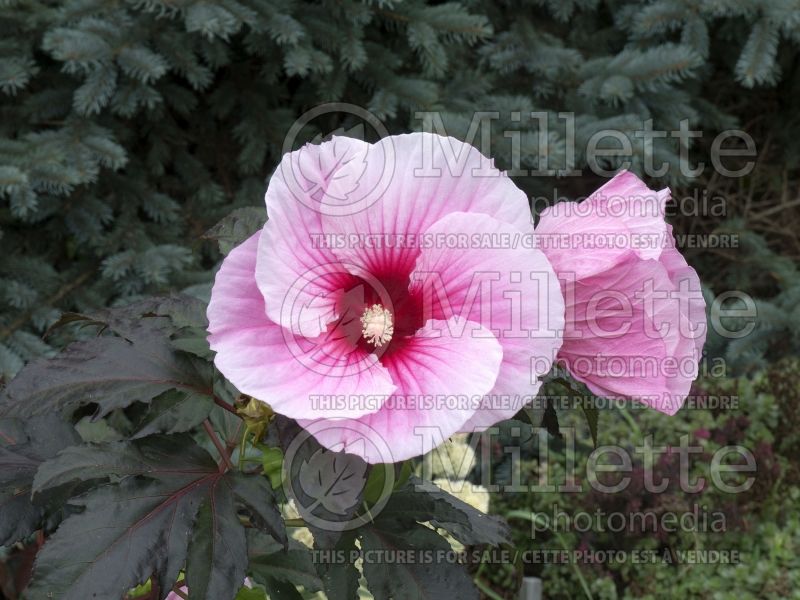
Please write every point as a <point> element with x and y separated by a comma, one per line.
<point>231,444</point>
<point>222,404</point>
<point>226,460</point>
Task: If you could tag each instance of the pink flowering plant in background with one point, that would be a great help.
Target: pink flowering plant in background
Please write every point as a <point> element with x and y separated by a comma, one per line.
<point>389,296</point>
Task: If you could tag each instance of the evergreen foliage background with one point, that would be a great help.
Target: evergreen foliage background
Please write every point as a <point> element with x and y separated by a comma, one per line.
<point>127,128</point>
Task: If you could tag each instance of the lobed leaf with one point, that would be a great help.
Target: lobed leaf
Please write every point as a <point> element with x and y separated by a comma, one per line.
<point>172,505</point>
<point>109,371</point>
<point>340,579</point>
<point>156,457</point>
<point>24,446</point>
<point>418,578</point>
<point>269,562</point>
<point>237,227</point>
<point>217,558</point>
<point>174,411</point>
<point>422,501</point>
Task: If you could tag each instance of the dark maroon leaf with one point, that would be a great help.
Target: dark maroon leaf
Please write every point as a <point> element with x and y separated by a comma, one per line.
<point>110,371</point>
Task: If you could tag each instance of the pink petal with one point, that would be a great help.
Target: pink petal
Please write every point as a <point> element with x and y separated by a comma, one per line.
<point>299,276</point>
<point>292,373</point>
<point>440,380</point>
<point>626,197</point>
<point>689,327</point>
<point>498,280</point>
<point>657,368</point>
<point>693,309</point>
<point>623,342</point>
<point>413,181</point>
<point>590,237</point>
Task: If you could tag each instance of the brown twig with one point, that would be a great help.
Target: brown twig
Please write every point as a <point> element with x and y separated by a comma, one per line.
<point>226,460</point>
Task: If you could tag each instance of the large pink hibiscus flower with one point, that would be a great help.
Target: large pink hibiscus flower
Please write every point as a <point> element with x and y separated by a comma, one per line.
<point>635,314</point>
<point>394,287</point>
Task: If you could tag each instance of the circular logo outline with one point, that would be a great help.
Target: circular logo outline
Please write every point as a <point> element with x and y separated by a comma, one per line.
<point>383,449</point>
<point>287,166</point>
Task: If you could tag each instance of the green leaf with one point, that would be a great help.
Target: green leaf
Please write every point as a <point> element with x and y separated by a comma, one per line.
<point>110,371</point>
<point>376,481</point>
<point>255,492</point>
<point>272,465</point>
<point>15,465</point>
<point>581,393</point>
<point>403,473</point>
<point>251,594</point>
<point>193,342</point>
<point>270,562</point>
<point>183,310</point>
<point>217,559</point>
<point>142,591</point>
<point>414,579</point>
<point>156,457</point>
<point>281,590</point>
<point>592,416</point>
<point>398,474</point>
<point>237,227</point>
<point>97,431</point>
<point>23,447</point>
<point>165,481</point>
<point>314,476</point>
<point>19,517</point>
<point>126,322</point>
<point>171,492</point>
<point>340,579</point>
<point>174,411</point>
<point>144,530</point>
<point>179,311</point>
<point>550,419</point>
<point>422,501</point>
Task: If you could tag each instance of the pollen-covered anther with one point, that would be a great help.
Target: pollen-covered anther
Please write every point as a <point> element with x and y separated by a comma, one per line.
<point>377,325</point>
